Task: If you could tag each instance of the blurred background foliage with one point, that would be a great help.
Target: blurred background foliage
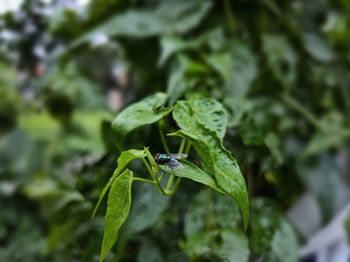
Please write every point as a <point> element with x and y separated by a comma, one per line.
<point>279,67</point>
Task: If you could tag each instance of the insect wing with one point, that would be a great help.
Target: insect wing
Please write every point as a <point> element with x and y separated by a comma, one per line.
<point>173,163</point>
<point>178,156</point>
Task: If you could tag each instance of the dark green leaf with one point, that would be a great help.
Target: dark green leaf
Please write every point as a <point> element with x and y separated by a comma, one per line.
<point>219,245</point>
<point>209,209</point>
<point>149,252</point>
<point>347,227</point>
<point>281,57</point>
<point>119,201</point>
<point>271,234</point>
<point>146,210</point>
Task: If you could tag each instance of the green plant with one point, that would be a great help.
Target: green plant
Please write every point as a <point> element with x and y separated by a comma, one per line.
<point>202,125</point>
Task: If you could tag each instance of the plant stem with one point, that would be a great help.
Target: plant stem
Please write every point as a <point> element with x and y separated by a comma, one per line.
<point>144,180</point>
<point>188,147</point>
<point>162,137</point>
<point>176,186</point>
<point>229,15</point>
<point>170,183</point>
<point>182,145</point>
<point>147,166</point>
<point>302,110</point>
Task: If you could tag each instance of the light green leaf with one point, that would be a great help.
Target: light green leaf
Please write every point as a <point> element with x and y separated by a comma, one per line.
<point>145,112</point>
<point>208,112</point>
<point>223,64</point>
<point>124,158</point>
<point>119,202</point>
<point>333,134</point>
<point>184,76</point>
<point>172,44</point>
<point>184,16</point>
<point>318,48</point>
<point>211,114</point>
<point>244,69</point>
<point>190,171</point>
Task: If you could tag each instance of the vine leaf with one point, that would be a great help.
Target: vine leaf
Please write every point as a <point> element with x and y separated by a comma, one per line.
<point>118,208</point>
<point>144,112</point>
<point>216,160</point>
<point>124,158</point>
<point>211,114</point>
<point>208,112</point>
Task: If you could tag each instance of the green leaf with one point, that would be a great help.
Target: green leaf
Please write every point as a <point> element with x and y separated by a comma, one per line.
<point>207,112</point>
<point>333,134</point>
<point>184,16</point>
<point>347,227</point>
<point>172,44</point>
<point>219,245</point>
<point>211,114</point>
<point>324,181</point>
<point>145,112</point>
<point>202,150</point>
<point>190,171</point>
<point>237,107</point>
<point>271,234</point>
<point>216,160</point>
<point>244,69</point>
<point>318,48</point>
<point>184,76</point>
<point>124,158</point>
<point>200,214</point>
<point>281,58</point>
<point>149,251</point>
<point>223,64</point>
<point>147,208</point>
<point>273,143</point>
<point>119,202</point>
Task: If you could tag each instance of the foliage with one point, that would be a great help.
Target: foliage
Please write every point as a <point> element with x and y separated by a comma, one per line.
<point>255,92</point>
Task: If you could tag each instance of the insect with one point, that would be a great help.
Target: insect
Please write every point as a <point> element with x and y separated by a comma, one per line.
<point>170,160</point>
